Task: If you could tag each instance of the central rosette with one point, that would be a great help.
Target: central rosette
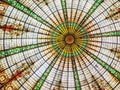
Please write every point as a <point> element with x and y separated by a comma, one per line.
<point>69,39</point>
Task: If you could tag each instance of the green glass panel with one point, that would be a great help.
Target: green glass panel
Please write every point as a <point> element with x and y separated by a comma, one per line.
<point>92,9</point>
<point>107,67</point>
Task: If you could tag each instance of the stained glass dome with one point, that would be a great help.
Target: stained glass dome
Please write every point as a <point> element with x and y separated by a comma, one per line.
<point>59,44</point>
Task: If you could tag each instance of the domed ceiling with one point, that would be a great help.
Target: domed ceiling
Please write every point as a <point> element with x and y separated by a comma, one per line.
<point>59,44</point>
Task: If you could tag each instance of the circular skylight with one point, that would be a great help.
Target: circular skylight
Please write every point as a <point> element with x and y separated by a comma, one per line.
<point>60,45</point>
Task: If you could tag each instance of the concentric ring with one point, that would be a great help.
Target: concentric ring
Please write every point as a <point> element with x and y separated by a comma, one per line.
<point>59,42</point>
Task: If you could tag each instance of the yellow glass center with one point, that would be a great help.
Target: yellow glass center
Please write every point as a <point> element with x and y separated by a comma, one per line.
<point>68,40</point>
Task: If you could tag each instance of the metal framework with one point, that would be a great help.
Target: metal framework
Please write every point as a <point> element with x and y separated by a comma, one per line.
<point>60,45</point>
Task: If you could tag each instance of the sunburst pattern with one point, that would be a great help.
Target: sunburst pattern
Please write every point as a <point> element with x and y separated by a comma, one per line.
<point>59,45</point>
<point>67,41</point>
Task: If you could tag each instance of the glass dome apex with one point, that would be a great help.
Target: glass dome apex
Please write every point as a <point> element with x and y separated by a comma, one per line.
<point>59,45</point>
